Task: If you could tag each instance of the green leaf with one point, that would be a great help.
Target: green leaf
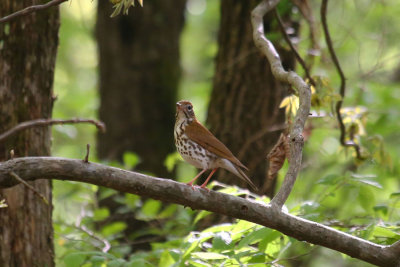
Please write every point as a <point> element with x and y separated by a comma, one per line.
<point>371,183</point>
<point>113,228</point>
<point>175,254</point>
<point>201,215</point>
<point>258,258</point>
<point>74,259</point>
<point>130,160</point>
<point>395,195</point>
<point>139,263</point>
<point>330,179</point>
<point>366,198</point>
<point>380,231</point>
<point>168,211</point>
<point>166,259</point>
<point>254,237</point>
<point>219,228</point>
<point>171,160</point>
<point>269,237</point>
<point>116,263</point>
<point>100,214</point>
<point>209,255</point>
<point>151,208</point>
<point>382,208</point>
<point>132,201</point>
<point>222,241</point>
<point>199,263</point>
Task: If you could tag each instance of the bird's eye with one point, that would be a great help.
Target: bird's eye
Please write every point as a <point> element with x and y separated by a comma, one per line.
<point>189,108</point>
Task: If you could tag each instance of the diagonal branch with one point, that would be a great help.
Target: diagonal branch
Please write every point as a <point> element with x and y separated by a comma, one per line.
<point>290,77</point>
<point>46,122</point>
<point>22,181</point>
<point>30,9</point>
<point>32,168</point>
<point>342,90</point>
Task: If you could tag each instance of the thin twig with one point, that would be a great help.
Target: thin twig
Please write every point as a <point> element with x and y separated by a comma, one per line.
<point>294,50</point>
<point>258,135</point>
<point>105,242</point>
<point>46,122</point>
<point>22,181</point>
<point>86,159</point>
<point>307,12</point>
<point>342,90</point>
<point>30,9</point>
<point>295,138</point>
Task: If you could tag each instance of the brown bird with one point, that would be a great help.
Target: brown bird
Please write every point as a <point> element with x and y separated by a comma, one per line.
<point>201,148</point>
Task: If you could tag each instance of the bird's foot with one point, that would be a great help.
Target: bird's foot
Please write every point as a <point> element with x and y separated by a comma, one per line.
<point>203,186</point>
<point>191,185</point>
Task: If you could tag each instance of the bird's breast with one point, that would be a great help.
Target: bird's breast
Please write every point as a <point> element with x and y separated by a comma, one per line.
<point>193,153</point>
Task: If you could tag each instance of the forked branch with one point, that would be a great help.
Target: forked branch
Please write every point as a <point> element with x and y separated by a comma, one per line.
<point>290,77</point>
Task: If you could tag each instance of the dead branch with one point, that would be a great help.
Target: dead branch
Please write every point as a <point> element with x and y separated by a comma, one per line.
<point>46,122</point>
<point>295,137</point>
<point>342,89</point>
<point>30,9</point>
<point>294,50</point>
<point>32,168</point>
<point>22,181</point>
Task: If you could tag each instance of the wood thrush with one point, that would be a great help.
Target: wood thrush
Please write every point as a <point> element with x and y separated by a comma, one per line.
<point>198,146</point>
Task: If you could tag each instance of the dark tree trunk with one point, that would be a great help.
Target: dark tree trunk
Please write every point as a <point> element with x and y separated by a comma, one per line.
<point>28,48</point>
<point>139,76</point>
<point>245,98</point>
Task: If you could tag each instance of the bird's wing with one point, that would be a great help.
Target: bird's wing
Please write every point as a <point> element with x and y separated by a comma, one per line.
<point>202,136</point>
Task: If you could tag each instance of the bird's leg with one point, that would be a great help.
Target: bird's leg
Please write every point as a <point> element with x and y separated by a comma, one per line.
<point>195,178</point>
<point>208,178</point>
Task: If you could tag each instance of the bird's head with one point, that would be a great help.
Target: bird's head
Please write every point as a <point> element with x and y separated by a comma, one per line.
<point>184,110</point>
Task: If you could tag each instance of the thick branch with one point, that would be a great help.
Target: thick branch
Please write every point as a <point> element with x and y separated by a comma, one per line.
<point>30,9</point>
<point>290,77</point>
<point>32,168</point>
<point>46,122</point>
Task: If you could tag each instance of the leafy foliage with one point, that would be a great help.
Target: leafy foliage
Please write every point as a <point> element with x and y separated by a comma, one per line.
<point>123,6</point>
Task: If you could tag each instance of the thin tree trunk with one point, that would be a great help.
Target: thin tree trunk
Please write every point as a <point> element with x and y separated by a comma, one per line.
<point>28,48</point>
<point>245,98</point>
<point>139,77</point>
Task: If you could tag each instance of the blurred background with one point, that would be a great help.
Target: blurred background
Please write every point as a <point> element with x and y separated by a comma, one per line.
<point>129,71</point>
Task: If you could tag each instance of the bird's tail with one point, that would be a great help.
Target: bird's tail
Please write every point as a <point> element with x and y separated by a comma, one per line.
<point>233,168</point>
<point>247,179</point>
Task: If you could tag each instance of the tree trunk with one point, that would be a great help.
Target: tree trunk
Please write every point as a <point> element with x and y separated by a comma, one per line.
<point>139,76</point>
<point>28,47</point>
<point>244,107</point>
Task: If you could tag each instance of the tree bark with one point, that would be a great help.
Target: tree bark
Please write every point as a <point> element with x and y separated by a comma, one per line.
<point>139,76</point>
<point>244,108</point>
<point>28,48</point>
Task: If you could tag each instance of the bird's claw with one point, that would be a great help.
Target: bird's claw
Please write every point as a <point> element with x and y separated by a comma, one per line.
<point>191,185</point>
<point>204,187</point>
